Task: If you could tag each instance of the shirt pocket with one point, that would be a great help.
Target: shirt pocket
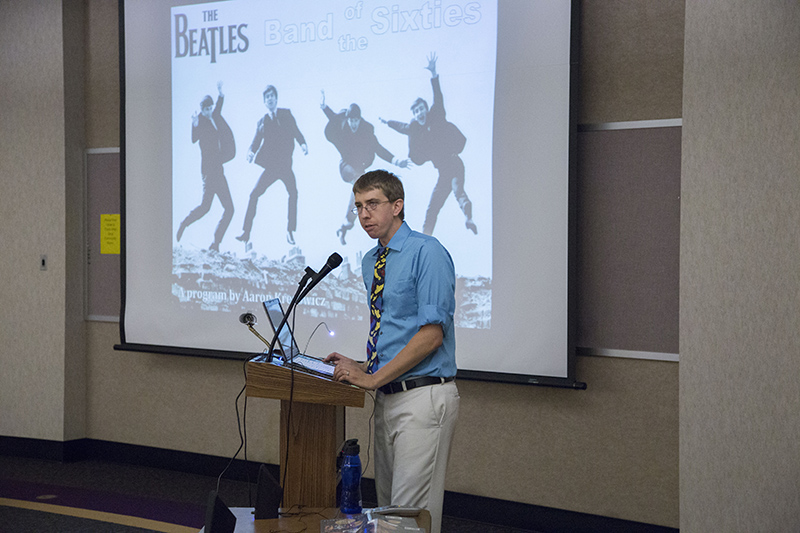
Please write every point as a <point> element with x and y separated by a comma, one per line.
<point>400,298</point>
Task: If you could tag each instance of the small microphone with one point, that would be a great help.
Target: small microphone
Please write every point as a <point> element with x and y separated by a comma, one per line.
<point>333,261</point>
<point>248,318</point>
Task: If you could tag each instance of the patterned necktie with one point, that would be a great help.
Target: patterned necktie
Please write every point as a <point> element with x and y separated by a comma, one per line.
<point>375,308</point>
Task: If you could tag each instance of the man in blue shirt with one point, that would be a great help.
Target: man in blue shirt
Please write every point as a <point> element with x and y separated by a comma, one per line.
<point>417,399</point>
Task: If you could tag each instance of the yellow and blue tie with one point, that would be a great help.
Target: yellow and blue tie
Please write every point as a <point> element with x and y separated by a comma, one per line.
<point>376,308</point>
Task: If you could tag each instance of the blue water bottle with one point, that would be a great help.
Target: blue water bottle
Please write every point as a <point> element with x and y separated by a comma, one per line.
<point>350,496</point>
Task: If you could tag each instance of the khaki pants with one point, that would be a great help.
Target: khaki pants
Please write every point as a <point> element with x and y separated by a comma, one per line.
<point>413,434</point>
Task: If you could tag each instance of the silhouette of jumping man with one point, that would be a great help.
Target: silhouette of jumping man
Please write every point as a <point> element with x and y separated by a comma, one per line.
<point>432,138</point>
<point>355,140</point>
<point>272,149</point>
<point>217,147</point>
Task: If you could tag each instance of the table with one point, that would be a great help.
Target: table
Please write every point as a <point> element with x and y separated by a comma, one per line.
<point>297,519</point>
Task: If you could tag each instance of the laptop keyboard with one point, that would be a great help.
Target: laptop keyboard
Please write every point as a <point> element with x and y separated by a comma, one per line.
<point>313,364</point>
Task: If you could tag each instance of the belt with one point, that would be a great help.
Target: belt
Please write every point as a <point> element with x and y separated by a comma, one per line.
<point>400,386</point>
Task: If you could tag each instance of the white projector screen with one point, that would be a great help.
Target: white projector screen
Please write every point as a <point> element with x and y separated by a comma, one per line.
<point>505,74</point>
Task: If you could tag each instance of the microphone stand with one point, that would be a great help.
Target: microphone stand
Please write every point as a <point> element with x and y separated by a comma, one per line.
<point>257,334</point>
<point>310,273</point>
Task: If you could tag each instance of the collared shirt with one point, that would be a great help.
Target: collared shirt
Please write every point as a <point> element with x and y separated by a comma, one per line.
<point>419,290</point>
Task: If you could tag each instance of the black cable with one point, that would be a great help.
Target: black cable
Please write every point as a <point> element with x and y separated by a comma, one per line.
<point>246,462</point>
<point>370,428</point>
<point>241,436</point>
<point>241,424</point>
<point>244,426</point>
<point>289,410</point>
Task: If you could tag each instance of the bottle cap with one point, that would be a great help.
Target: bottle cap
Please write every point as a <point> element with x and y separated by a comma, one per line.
<point>351,447</point>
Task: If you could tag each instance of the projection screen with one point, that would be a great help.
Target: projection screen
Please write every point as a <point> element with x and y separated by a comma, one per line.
<point>202,245</point>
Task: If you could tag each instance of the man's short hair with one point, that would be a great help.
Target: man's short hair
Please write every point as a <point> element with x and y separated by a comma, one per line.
<point>386,182</point>
<point>206,102</point>
<point>419,101</point>
<point>353,111</point>
<point>270,89</point>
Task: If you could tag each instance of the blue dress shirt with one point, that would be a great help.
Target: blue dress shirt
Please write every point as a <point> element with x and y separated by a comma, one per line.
<point>419,290</point>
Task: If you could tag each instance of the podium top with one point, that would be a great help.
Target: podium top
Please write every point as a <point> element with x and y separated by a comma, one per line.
<point>271,380</point>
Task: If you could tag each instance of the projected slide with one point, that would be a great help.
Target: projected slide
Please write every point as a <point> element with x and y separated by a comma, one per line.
<point>278,107</point>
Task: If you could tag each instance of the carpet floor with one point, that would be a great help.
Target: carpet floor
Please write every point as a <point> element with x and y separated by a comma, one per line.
<point>38,496</point>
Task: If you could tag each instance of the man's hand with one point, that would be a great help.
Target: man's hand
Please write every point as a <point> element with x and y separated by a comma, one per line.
<point>322,100</point>
<point>195,120</point>
<point>250,156</point>
<point>350,371</point>
<point>304,147</point>
<point>432,64</point>
<point>219,89</point>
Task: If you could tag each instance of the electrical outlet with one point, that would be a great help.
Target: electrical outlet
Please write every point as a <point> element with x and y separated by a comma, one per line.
<point>43,262</point>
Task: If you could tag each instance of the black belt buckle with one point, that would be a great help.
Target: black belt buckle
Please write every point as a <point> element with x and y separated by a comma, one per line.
<point>397,386</point>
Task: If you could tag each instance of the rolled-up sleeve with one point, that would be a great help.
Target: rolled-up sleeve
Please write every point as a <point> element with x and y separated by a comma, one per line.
<point>435,286</point>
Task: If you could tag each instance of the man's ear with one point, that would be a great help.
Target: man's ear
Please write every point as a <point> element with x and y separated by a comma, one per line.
<point>397,207</point>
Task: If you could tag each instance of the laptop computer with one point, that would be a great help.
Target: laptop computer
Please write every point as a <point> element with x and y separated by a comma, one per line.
<point>288,346</point>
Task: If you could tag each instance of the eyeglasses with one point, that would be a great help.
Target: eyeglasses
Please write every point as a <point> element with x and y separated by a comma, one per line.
<point>369,206</point>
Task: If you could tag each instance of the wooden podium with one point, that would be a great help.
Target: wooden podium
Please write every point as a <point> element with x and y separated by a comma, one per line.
<point>316,431</point>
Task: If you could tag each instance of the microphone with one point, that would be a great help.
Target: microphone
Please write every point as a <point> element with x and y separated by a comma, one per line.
<point>333,261</point>
<point>248,318</point>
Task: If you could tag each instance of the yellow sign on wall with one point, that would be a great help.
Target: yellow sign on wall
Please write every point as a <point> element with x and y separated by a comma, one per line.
<point>109,234</point>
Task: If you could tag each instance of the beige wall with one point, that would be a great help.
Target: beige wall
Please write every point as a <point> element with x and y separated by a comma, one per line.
<point>611,450</point>
<point>740,279</point>
<point>42,346</point>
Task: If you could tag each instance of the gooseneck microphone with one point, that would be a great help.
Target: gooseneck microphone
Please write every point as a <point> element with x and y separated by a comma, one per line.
<point>333,261</point>
<point>249,319</point>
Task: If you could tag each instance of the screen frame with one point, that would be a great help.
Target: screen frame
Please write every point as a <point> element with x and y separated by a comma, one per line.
<point>570,381</point>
